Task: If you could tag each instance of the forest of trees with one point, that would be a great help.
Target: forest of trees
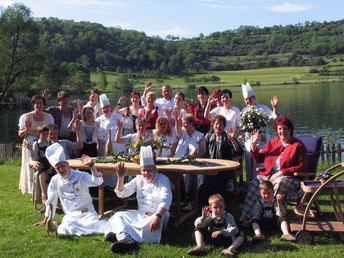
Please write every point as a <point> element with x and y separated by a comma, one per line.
<point>54,53</point>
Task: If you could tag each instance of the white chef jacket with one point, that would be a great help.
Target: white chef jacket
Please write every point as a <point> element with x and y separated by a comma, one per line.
<point>150,196</point>
<point>80,216</point>
<point>110,123</point>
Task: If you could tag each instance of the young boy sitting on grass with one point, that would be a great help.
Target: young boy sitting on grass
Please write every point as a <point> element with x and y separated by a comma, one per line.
<point>268,211</point>
<point>216,227</point>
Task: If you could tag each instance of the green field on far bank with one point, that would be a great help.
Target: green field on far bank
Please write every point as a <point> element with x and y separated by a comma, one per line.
<point>265,76</point>
<point>19,238</point>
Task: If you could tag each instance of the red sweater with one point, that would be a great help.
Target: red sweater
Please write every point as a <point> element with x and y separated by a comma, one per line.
<point>198,113</point>
<point>293,159</point>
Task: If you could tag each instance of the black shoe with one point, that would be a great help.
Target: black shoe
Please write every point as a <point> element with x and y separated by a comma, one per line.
<point>122,247</point>
<point>110,237</point>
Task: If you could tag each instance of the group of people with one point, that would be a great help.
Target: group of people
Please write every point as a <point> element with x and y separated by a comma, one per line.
<point>210,128</point>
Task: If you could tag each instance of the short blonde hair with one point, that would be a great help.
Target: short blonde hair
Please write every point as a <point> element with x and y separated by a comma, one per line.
<point>151,93</point>
<point>215,198</point>
<point>266,185</point>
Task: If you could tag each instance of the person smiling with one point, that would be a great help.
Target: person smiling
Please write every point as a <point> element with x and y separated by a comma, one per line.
<point>28,124</point>
<point>282,157</point>
<point>71,187</point>
<point>154,197</point>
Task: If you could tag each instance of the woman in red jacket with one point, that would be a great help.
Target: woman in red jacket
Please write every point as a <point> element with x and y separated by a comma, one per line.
<point>282,157</point>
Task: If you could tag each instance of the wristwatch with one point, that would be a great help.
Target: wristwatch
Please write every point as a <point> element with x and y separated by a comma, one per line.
<point>158,215</point>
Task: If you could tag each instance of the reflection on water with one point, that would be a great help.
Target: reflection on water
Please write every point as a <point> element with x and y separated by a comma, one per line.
<point>315,109</point>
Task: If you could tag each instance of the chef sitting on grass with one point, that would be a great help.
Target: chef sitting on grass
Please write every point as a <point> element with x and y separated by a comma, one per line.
<point>71,187</point>
<point>153,193</point>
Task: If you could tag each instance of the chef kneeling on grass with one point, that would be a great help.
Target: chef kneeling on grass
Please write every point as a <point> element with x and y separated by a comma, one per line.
<point>126,229</point>
<point>72,187</point>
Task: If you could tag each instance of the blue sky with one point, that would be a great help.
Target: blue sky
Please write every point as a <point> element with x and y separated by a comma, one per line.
<point>186,18</point>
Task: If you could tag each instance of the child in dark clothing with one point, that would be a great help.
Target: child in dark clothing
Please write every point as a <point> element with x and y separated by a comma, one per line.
<point>269,211</point>
<point>37,150</point>
<point>217,227</point>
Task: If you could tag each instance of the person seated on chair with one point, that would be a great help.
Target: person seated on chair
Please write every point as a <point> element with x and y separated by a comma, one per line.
<point>39,161</point>
<point>72,188</point>
<point>221,145</point>
<point>217,227</point>
<point>269,211</point>
<point>154,197</point>
<point>282,157</point>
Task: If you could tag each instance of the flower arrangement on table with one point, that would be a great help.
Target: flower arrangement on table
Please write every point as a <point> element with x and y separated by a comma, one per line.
<point>113,158</point>
<point>186,160</point>
<point>155,143</point>
<point>253,118</point>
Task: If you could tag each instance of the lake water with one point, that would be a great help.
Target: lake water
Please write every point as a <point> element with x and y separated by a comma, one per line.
<point>315,109</point>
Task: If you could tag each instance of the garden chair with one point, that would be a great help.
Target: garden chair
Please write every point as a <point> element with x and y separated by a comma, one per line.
<point>313,145</point>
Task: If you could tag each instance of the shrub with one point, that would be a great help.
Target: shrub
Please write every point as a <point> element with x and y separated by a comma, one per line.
<point>313,70</point>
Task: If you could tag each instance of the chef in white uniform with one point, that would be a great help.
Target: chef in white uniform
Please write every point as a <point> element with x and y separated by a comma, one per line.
<point>154,197</point>
<point>107,121</point>
<point>71,187</point>
<point>250,100</point>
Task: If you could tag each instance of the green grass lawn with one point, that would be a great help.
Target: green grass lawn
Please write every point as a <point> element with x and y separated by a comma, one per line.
<point>266,76</point>
<point>19,238</point>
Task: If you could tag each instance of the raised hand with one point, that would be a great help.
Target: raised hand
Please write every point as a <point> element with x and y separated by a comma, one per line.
<point>122,100</point>
<point>121,170</point>
<point>148,86</point>
<point>255,136</point>
<point>274,101</point>
<point>205,212</point>
<point>125,113</point>
<point>27,144</point>
<point>176,114</point>
<point>86,160</point>
<point>75,113</point>
<point>230,133</point>
<point>119,123</point>
<point>80,105</point>
<point>77,125</point>
<point>168,111</point>
<point>46,93</point>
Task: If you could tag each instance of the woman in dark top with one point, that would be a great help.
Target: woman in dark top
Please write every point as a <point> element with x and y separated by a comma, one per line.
<point>221,145</point>
<point>202,124</point>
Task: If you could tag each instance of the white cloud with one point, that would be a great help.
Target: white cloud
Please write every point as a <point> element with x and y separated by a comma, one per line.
<point>6,3</point>
<point>102,3</point>
<point>288,8</point>
<point>120,24</point>
<point>215,4</point>
<point>176,31</point>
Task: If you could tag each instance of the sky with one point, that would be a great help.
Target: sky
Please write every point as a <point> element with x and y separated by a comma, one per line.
<point>186,18</point>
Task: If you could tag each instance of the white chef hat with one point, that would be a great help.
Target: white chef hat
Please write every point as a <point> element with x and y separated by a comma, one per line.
<point>104,101</point>
<point>55,154</point>
<point>146,156</point>
<point>247,90</point>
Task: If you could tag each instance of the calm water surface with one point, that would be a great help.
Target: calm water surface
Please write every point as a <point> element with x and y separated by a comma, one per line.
<point>315,109</point>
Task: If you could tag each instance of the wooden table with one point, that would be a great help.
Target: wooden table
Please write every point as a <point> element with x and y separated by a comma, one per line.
<point>173,172</point>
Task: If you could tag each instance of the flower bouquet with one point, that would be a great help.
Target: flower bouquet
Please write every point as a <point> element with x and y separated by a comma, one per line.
<point>155,143</point>
<point>253,118</point>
